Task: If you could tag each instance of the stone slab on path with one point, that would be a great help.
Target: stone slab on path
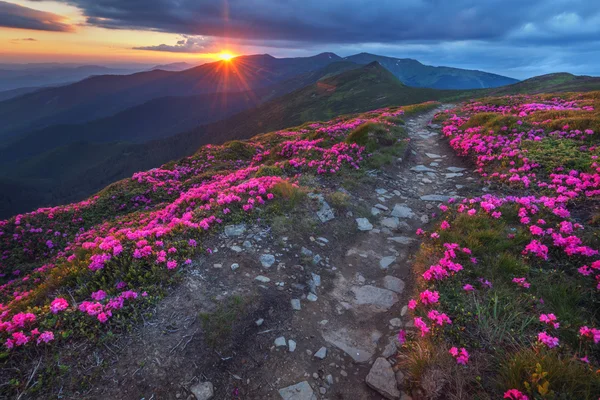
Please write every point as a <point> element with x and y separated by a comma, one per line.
<point>359,344</point>
<point>299,391</point>
<point>378,299</point>
<point>382,379</point>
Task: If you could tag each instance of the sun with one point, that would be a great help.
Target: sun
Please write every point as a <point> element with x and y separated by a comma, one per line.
<point>225,56</point>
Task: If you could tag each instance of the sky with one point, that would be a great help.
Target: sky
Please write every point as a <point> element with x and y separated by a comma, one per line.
<point>515,38</point>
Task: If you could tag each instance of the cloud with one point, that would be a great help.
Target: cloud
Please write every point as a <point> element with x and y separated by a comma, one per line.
<point>23,40</point>
<point>189,44</point>
<point>332,21</point>
<point>512,37</point>
<point>16,16</point>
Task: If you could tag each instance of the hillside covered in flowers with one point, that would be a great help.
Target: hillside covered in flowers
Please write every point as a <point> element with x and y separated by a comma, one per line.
<point>80,270</point>
<point>508,283</point>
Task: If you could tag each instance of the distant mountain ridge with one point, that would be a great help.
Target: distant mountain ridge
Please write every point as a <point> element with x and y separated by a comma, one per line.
<point>413,73</point>
<point>104,95</point>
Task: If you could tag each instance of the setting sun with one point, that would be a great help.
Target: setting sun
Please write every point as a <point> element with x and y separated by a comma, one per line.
<point>225,56</point>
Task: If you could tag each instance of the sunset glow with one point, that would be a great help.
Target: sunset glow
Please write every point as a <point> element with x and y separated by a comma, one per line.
<point>225,56</point>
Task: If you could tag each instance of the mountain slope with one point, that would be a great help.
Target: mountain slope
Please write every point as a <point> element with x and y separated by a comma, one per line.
<point>355,90</point>
<point>156,118</point>
<point>101,96</point>
<point>550,83</point>
<point>413,73</point>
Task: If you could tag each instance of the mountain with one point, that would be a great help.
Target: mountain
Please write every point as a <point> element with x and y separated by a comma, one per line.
<point>15,76</point>
<point>77,169</point>
<point>12,93</point>
<point>413,73</point>
<point>105,95</point>
<point>156,118</point>
<point>176,66</point>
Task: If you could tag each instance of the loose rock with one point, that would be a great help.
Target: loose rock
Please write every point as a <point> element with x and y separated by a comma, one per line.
<point>203,391</point>
<point>363,224</point>
<point>381,378</point>
<point>299,391</point>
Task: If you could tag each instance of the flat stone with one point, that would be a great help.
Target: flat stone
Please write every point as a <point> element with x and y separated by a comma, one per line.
<point>375,211</point>
<point>358,345</point>
<point>394,284</point>
<point>422,168</point>
<point>235,266</point>
<point>306,252</point>
<point>402,211</point>
<point>381,207</point>
<point>262,279</point>
<point>435,197</point>
<point>316,278</point>
<point>311,297</point>
<point>391,222</point>
<point>456,169</point>
<point>291,345</point>
<point>396,322</point>
<point>235,230</point>
<point>280,342</point>
<point>377,298</point>
<point>385,262</point>
<point>321,354</point>
<point>267,260</point>
<point>203,390</point>
<point>299,391</point>
<point>453,175</point>
<point>432,155</point>
<point>259,321</point>
<point>381,378</point>
<point>401,239</point>
<point>325,213</point>
<point>296,304</point>
<point>237,249</point>
<point>380,191</point>
<point>363,224</point>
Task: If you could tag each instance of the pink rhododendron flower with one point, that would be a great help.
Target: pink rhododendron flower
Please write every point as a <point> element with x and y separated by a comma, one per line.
<point>428,297</point>
<point>461,356</point>
<point>58,304</point>
<point>549,319</point>
<point>522,282</point>
<point>548,340</point>
<point>45,337</point>
<point>468,288</point>
<point>421,325</point>
<point>514,394</point>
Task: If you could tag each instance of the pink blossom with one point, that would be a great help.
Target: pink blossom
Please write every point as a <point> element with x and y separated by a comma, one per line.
<point>58,304</point>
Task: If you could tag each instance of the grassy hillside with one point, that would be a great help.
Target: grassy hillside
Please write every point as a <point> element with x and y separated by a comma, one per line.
<point>355,90</point>
<point>550,83</point>
<point>88,270</point>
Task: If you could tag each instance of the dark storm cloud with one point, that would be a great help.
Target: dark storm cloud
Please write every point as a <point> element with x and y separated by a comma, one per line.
<point>346,21</point>
<point>16,16</point>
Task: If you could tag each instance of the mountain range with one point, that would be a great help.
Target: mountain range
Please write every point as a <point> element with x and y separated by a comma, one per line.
<point>61,144</point>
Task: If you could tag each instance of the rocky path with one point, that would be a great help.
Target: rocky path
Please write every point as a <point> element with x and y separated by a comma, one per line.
<point>358,318</point>
<point>326,307</point>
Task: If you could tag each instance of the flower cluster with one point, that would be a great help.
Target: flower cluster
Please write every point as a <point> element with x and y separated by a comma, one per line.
<point>153,222</point>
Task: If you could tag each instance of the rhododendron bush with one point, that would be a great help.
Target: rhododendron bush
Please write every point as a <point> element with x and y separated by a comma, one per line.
<point>509,282</point>
<point>77,268</point>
